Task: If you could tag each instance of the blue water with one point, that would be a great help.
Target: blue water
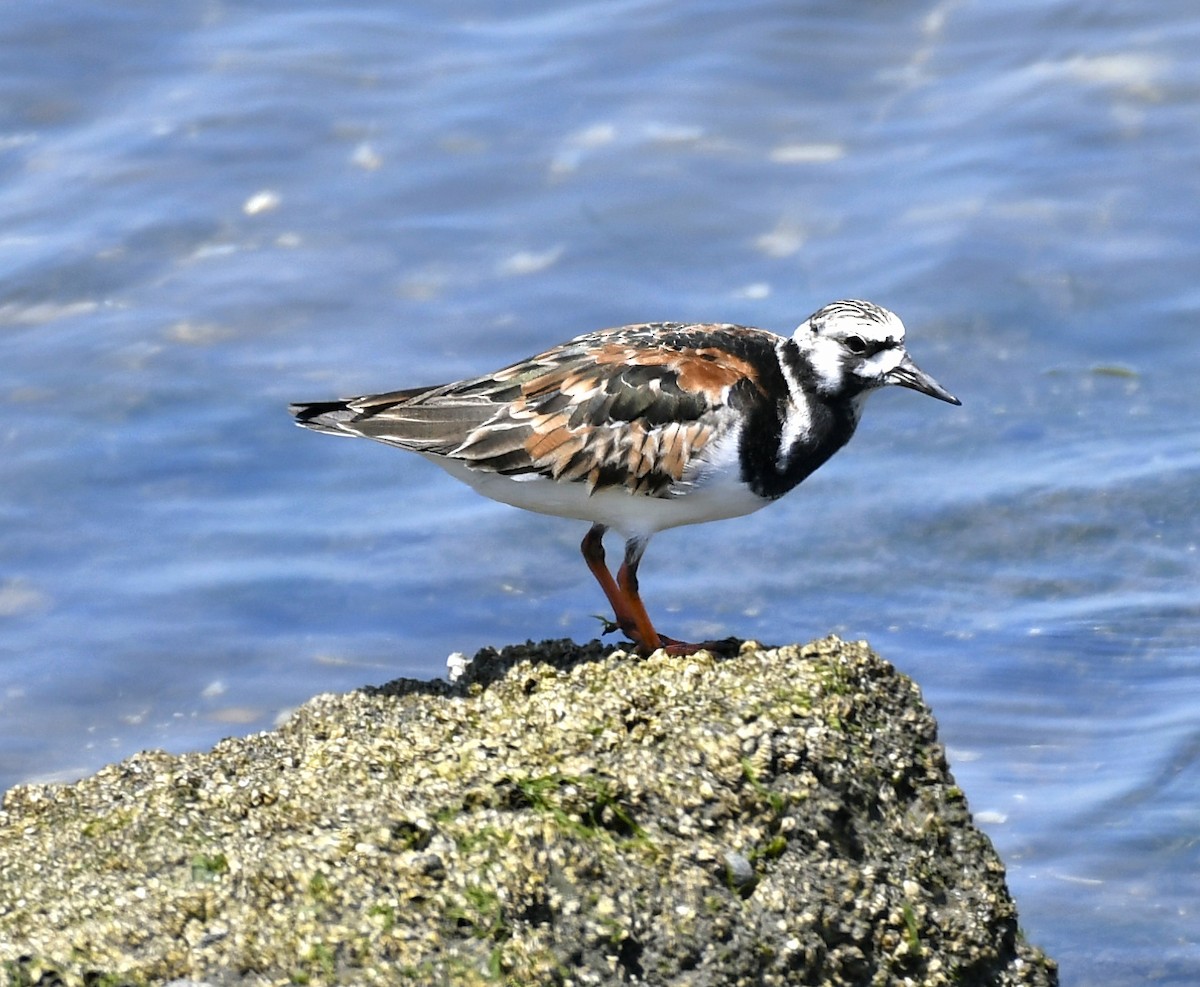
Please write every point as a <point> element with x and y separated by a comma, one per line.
<point>207,210</point>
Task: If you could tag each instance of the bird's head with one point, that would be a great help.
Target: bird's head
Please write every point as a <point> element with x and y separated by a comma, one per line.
<point>854,347</point>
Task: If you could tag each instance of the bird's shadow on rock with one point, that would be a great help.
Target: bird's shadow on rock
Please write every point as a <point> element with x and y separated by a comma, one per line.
<point>490,665</point>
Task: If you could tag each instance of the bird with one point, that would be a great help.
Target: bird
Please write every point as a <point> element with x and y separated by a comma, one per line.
<point>646,427</point>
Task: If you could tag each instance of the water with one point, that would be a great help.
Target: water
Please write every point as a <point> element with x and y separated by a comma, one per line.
<point>208,210</point>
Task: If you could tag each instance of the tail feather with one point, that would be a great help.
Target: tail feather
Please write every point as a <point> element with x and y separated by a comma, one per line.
<point>395,418</point>
<point>323,416</point>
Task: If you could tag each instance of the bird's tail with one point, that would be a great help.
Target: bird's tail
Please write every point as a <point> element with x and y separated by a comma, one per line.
<point>324,416</point>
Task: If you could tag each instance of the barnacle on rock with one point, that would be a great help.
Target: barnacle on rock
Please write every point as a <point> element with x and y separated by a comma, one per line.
<point>561,814</point>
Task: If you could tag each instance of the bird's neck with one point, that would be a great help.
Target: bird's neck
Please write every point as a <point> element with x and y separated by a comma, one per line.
<point>787,442</point>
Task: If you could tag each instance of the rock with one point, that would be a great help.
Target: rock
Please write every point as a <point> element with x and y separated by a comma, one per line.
<point>740,871</point>
<point>561,815</point>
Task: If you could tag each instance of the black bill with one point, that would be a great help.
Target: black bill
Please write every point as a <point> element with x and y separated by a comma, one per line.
<point>908,374</point>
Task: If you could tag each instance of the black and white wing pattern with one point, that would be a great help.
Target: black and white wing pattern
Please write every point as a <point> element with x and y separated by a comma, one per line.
<point>630,407</point>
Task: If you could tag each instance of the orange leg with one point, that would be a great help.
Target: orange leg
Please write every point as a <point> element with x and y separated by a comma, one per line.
<point>623,598</point>
<point>627,580</point>
<point>626,602</point>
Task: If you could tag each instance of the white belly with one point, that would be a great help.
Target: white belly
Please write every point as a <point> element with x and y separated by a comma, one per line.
<point>715,497</point>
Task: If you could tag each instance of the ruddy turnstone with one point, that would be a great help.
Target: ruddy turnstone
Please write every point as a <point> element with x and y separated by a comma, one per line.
<point>647,427</point>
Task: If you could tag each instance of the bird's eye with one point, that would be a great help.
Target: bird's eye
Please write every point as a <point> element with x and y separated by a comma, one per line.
<point>856,344</point>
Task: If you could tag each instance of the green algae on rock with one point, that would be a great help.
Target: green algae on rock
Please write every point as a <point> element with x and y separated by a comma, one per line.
<point>561,815</point>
